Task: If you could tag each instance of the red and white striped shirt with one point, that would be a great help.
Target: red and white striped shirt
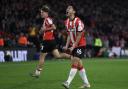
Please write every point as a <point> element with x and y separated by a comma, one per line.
<point>48,35</point>
<point>74,26</point>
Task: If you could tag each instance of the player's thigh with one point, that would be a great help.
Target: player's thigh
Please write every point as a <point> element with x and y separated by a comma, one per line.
<point>75,60</point>
<point>78,52</point>
<point>56,53</point>
<point>48,46</point>
<point>42,56</point>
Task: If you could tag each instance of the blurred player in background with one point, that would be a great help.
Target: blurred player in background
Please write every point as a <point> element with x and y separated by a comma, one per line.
<point>49,44</point>
<point>76,43</point>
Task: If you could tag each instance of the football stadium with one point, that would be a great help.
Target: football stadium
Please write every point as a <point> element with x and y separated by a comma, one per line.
<point>67,44</point>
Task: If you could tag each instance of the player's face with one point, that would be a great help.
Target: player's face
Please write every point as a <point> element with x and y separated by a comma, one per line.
<point>43,14</point>
<point>70,11</point>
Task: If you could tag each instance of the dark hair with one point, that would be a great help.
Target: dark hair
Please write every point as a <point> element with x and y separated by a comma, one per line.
<point>73,6</point>
<point>45,8</point>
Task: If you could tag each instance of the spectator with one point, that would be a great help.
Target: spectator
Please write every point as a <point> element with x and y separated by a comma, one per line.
<point>16,16</point>
<point>1,41</point>
<point>22,40</point>
<point>89,40</point>
<point>104,49</point>
<point>115,51</point>
<point>33,37</point>
<point>97,44</point>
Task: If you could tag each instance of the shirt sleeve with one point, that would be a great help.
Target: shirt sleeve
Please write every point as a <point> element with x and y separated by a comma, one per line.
<point>65,24</point>
<point>50,21</point>
<point>80,26</point>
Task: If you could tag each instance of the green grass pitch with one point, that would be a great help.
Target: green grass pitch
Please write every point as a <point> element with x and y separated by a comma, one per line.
<point>102,74</point>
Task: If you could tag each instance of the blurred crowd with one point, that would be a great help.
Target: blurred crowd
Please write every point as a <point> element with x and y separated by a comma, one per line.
<point>107,20</point>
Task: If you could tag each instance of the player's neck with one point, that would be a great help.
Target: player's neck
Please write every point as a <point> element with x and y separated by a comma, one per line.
<point>72,17</point>
<point>46,16</point>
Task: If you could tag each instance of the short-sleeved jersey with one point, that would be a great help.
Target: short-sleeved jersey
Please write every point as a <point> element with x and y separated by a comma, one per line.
<point>73,27</point>
<point>48,35</point>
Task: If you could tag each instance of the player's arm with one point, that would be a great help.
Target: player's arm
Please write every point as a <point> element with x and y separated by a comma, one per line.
<point>77,41</point>
<point>52,27</point>
<point>79,34</point>
<point>68,41</point>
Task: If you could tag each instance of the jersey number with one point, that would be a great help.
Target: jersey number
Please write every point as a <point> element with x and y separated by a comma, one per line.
<point>79,51</point>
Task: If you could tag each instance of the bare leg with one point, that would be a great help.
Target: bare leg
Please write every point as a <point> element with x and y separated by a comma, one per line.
<point>56,54</point>
<point>83,75</point>
<point>41,60</point>
<point>73,71</point>
<point>40,65</point>
<point>76,65</point>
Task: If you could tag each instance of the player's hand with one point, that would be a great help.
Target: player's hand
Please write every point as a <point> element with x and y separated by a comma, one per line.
<point>65,48</point>
<point>42,30</point>
<point>71,49</point>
